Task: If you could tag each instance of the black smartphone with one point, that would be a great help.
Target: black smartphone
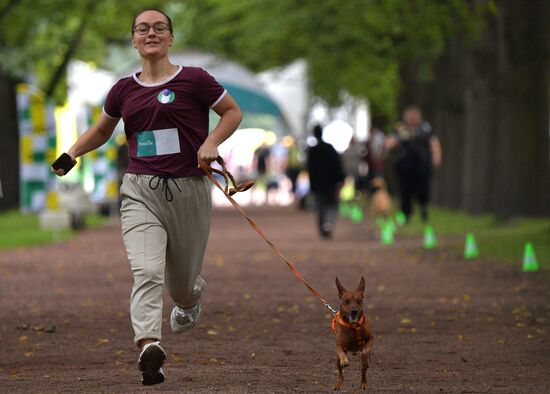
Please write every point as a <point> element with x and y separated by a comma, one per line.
<point>63,162</point>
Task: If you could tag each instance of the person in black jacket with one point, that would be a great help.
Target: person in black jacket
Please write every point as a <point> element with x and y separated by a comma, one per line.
<point>326,176</point>
<point>417,152</point>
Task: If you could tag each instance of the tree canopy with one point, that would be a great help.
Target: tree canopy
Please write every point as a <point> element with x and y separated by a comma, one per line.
<point>40,37</point>
<point>354,46</point>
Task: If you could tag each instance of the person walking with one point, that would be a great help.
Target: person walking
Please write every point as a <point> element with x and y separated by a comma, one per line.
<point>326,176</point>
<point>417,151</point>
<point>351,160</point>
<point>166,200</point>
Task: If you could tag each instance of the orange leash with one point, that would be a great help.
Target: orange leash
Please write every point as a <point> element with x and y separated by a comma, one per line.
<point>228,192</point>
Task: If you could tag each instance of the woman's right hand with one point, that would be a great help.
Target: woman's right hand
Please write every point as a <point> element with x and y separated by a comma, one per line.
<point>61,171</point>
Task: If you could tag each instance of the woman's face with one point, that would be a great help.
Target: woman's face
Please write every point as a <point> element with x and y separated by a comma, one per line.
<point>152,44</point>
<point>412,118</point>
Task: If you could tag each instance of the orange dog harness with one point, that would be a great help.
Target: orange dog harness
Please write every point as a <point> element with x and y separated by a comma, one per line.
<point>356,327</point>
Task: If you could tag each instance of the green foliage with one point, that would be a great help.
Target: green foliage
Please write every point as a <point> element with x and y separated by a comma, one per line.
<point>36,35</point>
<point>354,46</point>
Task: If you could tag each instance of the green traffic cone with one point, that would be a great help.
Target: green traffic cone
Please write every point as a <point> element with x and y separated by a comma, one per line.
<point>530,263</point>
<point>344,209</point>
<point>387,234</point>
<point>470,248</point>
<point>400,218</point>
<point>429,238</point>
<point>356,214</point>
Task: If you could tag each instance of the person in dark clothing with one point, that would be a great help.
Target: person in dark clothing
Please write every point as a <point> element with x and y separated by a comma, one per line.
<point>262,156</point>
<point>326,176</point>
<point>375,156</point>
<point>417,150</point>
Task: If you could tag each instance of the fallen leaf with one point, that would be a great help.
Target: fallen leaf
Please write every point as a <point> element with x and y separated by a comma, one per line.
<point>102,340</point>
<point>212,332</point>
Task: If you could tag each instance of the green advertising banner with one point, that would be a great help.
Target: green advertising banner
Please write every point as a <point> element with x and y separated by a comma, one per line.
<point>37,147</point>
<point>100,166</point>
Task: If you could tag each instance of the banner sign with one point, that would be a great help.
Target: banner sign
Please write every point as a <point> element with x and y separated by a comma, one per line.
<point>37,143</point>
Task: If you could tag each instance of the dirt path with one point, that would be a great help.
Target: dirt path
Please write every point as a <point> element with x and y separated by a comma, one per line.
<point>441,324</point>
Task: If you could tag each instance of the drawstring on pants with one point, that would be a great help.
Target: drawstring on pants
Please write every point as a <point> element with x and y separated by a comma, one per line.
<point>165,188</point>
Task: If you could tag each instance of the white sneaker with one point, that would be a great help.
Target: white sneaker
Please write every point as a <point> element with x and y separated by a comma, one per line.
<point>150,362</point>
<point>183,319</point>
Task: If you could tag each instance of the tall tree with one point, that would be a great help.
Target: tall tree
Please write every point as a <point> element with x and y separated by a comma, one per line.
<point>491,108</point>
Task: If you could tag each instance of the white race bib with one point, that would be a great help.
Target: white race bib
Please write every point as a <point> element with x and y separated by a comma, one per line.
<point>157,142</point>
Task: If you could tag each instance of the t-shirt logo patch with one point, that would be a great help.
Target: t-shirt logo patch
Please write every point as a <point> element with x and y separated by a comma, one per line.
<point>166,96</point>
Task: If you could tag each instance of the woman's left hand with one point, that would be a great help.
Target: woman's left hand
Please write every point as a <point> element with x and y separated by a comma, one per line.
<point>207,153</point>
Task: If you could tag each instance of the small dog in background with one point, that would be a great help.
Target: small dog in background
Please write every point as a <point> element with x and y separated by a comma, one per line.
<point>353,331</point>
<point>381,204</point>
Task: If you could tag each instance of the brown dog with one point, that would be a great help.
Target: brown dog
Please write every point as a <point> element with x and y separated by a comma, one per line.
<point>353,331</point>
<point>381,204</point>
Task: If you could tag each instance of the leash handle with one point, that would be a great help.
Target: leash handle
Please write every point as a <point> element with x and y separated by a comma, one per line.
<point>228,192</point>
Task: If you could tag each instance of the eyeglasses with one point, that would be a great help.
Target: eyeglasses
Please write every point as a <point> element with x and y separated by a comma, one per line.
<point>159,28</point>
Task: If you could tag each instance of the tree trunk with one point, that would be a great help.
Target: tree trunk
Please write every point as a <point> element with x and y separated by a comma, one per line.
<point>448,122</point>
<point>491,110</point>
<point>9,148</point>
<point>522,147</point>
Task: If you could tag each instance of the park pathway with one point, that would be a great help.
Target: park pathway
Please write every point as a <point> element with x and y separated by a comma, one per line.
<point>441,324</point>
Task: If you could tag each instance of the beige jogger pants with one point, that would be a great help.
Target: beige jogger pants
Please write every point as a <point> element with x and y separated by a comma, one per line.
<point>165,242</point>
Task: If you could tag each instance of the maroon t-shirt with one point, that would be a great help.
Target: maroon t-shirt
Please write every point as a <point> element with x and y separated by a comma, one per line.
<point>165,123</point>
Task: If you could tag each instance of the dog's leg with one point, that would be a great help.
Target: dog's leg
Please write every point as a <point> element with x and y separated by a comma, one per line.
<point>365,356</point>
<point>340,378</point>
<point>342,357</point>
<point>341,362</point>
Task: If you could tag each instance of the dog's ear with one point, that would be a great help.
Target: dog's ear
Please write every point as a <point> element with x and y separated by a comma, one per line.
<point>341,289</point>
<point>361,287</point>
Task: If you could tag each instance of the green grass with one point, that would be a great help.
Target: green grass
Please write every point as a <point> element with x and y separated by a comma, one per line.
<point>495,240</point>
<point>19,230</point>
